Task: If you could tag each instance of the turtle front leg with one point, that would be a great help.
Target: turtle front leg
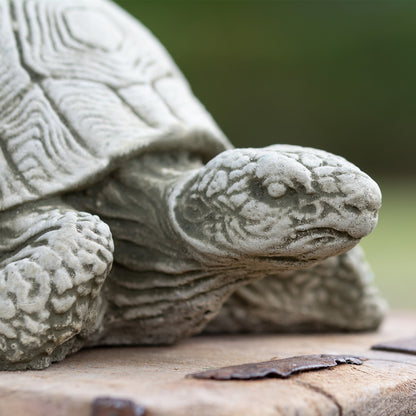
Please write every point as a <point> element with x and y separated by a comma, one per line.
<point>53,262</point>
<point>336,294</point>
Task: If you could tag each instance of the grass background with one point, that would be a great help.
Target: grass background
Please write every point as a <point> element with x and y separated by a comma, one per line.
<point>337,75</point>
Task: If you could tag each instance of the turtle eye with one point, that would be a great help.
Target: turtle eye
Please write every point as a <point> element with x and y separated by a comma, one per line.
<point>276,189</point>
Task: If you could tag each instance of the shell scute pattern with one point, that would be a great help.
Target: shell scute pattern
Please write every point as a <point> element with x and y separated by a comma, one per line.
<point>83,25</point>
<point>54,35</point>
<point>71,108</point>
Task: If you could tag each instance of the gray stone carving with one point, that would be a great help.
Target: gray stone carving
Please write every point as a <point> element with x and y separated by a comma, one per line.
<point>126,217</point>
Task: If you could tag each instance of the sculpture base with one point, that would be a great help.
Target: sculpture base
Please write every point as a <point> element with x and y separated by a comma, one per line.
<point>154,378</point>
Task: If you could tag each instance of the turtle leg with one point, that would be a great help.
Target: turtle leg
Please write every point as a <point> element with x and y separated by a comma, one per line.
<point>336,294</point>
<point>53,262</point>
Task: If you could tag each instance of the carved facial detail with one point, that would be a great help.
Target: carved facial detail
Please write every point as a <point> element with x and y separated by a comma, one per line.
<point>281,201</point>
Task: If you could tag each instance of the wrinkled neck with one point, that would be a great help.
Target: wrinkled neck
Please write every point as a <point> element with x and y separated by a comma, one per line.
<point>133,202</point>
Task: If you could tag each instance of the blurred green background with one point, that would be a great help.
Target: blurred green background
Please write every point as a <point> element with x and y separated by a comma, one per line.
<point>337,75</point>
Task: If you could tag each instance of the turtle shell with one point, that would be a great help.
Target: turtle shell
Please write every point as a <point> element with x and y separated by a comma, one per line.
<point>83,86</point>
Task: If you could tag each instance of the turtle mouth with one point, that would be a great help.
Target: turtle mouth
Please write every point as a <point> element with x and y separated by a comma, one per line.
<point>321,242</point>
<point>321,234</point>
<point>310,245</point>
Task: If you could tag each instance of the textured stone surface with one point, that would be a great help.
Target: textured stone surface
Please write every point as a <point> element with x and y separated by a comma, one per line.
<point>95,119</point>
<point>336,294</point>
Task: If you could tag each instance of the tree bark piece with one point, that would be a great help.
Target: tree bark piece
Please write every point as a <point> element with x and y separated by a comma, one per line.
<point>283,368</point>
<point>406,346</point>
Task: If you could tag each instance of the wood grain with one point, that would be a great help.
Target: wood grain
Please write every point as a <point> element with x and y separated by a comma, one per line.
<point>155,378</point>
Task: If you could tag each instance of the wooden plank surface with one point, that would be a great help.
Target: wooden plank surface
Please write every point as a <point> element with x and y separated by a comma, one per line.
<point>155,378</point>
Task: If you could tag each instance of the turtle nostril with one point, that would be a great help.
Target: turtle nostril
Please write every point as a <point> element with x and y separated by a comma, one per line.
<point>362,194</point>
<point>369,201</point>
<point>374,200</point>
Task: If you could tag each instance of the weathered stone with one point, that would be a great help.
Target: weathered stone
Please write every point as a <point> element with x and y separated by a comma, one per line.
<point>95,119</point>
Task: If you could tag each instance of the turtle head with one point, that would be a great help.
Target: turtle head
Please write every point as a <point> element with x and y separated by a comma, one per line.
<point>282,206</point>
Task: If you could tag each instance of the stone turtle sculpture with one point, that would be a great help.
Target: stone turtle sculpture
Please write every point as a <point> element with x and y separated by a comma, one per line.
<point>126,217</point>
